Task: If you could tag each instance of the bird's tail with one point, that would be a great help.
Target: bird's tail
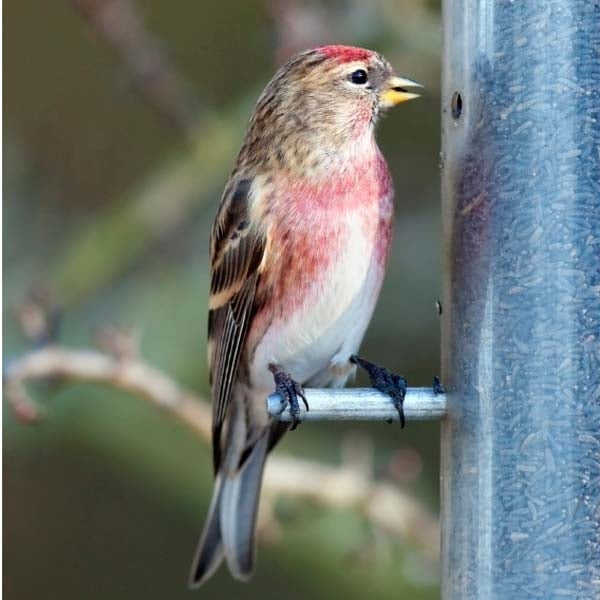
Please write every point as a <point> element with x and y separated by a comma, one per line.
<point>239,506</point>
<point>210,548</point>
<point>231,522</point>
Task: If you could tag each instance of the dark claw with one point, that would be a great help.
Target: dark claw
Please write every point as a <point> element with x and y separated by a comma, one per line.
<point>386,382</point>
<point>289,390</point>
<point>438,388</point>
<point>300,392</point>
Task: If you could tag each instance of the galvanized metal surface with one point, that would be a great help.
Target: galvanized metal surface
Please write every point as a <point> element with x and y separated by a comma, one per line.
<point>521,321</point>
<point>360,404</point>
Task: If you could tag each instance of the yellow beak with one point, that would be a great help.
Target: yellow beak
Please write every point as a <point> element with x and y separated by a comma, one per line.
<point>394,91</point>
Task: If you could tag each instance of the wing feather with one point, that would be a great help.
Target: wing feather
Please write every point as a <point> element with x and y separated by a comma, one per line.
<point>237,249</point>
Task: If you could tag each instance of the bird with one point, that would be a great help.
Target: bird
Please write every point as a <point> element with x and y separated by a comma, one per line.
<point>298,251</point>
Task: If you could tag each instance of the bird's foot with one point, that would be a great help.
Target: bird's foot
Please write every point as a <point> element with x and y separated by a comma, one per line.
<point>289,390</point>
<point>386,382</point>
<point>438,388</point>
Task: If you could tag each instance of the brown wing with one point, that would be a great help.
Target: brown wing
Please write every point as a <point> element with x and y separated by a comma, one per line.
<point>237,248</point>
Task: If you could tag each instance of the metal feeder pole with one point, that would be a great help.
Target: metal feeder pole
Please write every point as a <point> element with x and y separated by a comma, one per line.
<point>521,321</point>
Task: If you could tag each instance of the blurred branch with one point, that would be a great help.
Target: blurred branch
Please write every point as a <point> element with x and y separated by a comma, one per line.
<point>348,486</point>
<point>116,239</point>
<point>156,209</point>
<point>127,374</point>
<point>38,316</point>
<point>119,25</point>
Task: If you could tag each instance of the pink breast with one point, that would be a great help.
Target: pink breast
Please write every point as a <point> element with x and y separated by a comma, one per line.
<point>310,230</point>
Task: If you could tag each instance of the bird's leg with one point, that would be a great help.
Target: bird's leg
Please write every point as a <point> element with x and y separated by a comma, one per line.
<point>438,388</point>
<point>386,382</point>
<point>289,390</point>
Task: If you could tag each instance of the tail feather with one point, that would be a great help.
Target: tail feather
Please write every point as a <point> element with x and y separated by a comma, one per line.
<point>239,507</point>
<point>210,548</point>
<point>231,522</point>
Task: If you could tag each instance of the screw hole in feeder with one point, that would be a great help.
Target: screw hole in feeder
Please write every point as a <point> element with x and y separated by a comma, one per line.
<point>456,105</point>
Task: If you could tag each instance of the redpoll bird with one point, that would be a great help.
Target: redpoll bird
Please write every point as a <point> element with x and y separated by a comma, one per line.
<point>298,252</point>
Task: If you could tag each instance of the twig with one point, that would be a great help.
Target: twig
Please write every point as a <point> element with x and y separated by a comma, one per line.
<point>347,486</point>
<point>91,366</point>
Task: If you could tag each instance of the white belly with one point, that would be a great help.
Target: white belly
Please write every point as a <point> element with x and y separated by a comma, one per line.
<point>315,342</point>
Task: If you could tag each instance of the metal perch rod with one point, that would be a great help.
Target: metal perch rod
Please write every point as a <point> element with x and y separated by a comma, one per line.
<point>362,404</point>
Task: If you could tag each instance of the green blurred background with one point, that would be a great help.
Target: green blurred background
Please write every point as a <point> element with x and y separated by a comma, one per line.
<point>107,208</point>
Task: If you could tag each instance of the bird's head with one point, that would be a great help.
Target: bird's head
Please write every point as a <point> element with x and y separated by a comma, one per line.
<point>321,100</point>
<point>355,78</point>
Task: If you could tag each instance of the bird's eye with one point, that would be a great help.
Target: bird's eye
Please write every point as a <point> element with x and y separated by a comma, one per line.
<point>359,77</point>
